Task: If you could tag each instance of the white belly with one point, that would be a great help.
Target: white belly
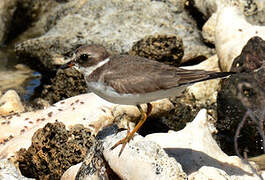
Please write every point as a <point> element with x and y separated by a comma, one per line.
<point>110,95</point>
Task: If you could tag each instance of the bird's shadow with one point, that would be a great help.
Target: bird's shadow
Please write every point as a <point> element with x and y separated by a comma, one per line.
<point>192,160</point>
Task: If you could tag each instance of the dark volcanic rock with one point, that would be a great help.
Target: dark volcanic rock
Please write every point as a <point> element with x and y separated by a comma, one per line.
<point>65,84</point>
<point>54,149</point>
<point>252,56</point>
<point>163,48</point>
<point>240,93</point>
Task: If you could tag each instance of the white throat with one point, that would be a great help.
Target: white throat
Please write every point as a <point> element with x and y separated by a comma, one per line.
<point>87,71</point>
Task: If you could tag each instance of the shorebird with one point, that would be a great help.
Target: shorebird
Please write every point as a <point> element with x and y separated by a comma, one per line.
<point>133,80</point>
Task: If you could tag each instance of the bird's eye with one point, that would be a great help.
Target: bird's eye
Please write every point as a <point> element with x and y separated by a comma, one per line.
<point>84,57</point>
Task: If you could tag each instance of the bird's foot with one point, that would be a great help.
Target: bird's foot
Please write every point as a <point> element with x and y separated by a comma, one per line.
<point>123,141</point>
<point>130,135</point>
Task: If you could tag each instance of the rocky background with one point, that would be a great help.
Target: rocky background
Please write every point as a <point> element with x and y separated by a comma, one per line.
<point>59,131</point>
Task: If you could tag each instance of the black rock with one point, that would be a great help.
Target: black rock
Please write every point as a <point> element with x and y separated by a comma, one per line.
<point>242,92</point>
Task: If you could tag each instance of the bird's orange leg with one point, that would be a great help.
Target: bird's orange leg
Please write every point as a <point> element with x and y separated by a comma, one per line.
<point>130,135</point>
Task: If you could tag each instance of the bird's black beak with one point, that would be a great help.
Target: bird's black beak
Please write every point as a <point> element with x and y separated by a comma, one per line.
<point>67,65</point>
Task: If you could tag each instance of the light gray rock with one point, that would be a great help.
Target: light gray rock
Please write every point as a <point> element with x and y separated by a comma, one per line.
<point>140,159</point>
<point>252,11</point>
<point>208,29</point>
<point>10,172</point>
<point>115,24</point>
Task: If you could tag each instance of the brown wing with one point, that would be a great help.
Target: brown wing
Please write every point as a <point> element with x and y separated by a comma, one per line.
<point>140,75</point>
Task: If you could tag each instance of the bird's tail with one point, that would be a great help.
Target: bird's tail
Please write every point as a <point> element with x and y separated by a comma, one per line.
<point>203,76</point>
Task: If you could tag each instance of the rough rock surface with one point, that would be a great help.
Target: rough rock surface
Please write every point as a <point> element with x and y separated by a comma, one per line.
<point>54,149</point>
<point>149,160</point>
<point>242,92</point>
<point>67,83</point>
<point>117,26</point>
<point>163,48</point>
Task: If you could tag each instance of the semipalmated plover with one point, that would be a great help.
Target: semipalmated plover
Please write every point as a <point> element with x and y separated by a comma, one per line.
<point>133,80</point>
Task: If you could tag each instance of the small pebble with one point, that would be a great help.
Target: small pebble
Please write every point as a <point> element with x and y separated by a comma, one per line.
<point>50,114</point>
<point>22,131</point>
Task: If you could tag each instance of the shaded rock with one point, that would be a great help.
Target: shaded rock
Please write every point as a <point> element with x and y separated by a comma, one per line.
<point>18,16</point>
<point>194,148</point>
<point>54,149</point>
<point>163,48</point>
<point>242,92</point>
<point>10,103</point>
<point>7,9</point>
